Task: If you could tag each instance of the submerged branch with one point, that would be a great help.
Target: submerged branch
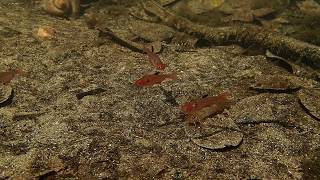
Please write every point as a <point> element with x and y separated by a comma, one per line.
<point>123,42</point>
<point>244,35</point>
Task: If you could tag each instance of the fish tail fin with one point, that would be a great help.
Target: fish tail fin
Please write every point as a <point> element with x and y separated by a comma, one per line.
<point>173,75</point>
<point>146,49</point>
<point>19,71</point>
<point>226,95</point>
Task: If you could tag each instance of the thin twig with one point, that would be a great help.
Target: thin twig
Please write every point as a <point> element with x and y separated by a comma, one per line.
<point>126,43</point>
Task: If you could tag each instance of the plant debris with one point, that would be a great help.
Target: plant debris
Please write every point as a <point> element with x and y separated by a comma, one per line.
<point>265,108</point>
<point>281,83</point>
<point>90,91</point>
<point>218,133</point>
<point>6,93</point>
<point>271,82</point>
<point>297,69</point>
<point>23,115</point>
<point>220,140</point>
<point>310,99</point>
<point>243,35</point>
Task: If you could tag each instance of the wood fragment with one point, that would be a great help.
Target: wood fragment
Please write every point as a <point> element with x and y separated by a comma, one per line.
<point>244,35</point>
<point>21,115</point>
<point>94,91</point>
<point>106,32</point>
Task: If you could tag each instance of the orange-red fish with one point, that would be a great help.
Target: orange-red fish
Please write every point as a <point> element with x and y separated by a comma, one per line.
<point>154,59</point>
<point>6,77</point>
<point>196,117</point>
<point>149,80</point>
<point>199,104</point>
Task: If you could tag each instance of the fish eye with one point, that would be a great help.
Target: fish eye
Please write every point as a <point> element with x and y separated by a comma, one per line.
<point>161,66</point>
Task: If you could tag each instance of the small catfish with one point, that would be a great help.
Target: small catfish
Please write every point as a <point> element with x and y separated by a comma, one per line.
<point>6,77</point>
<point>154,58</point>
<point>198,104</point>
<point>149,80</point>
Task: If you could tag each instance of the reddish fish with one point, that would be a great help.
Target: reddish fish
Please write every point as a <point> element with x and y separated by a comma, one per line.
<point>195,105</point>
<point>6,77</point>
<point>149,80</point>
<point>154,59</point>
<point>196,117</point>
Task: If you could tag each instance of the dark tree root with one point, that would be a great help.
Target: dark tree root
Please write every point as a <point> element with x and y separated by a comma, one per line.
<point>243,35</point>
